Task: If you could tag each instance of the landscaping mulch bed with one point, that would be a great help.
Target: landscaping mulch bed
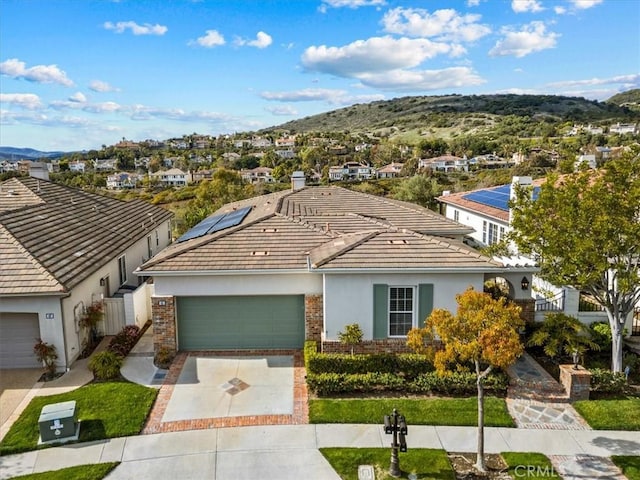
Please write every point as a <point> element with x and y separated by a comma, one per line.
<point>463,465</point>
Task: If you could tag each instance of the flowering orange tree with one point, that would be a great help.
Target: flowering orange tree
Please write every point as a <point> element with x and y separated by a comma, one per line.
<point>483,333</point>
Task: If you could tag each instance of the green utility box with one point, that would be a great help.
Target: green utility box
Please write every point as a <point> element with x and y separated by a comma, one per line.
<point>58,422</point>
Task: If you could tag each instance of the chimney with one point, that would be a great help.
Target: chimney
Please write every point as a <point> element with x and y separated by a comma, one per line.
<point>297,180</point>
<point>521,181</point>
<point>39,170</point>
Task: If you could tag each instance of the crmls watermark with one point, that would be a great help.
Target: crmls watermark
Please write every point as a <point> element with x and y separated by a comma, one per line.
<point>534,471</point>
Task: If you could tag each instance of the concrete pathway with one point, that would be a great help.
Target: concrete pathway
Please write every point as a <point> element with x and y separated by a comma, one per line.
<point>291,451</point>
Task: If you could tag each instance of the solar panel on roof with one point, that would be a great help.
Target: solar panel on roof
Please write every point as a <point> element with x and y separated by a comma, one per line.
<point>230,220</point>
<point>215,224</point>
<point>495,197</point>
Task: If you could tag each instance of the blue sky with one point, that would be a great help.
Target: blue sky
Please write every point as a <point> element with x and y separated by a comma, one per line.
<point>79,74</point>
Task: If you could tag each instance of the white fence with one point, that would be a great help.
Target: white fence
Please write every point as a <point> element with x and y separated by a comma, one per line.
<point>132,308</point>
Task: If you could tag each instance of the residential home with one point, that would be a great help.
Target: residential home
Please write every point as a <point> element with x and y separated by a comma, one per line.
<point>286,154</point>
<point>77,166</point>
<point>7,166</point>
<point>105,164</point>
<point>271,271</point>
<point>142,163</point>
<point>63,249</point>
<point>351,171</point>
<point>200,175</point>
<point>588,160</point>
<point>390,171</point>
<point>231,156</point>
<point>127,145</point>
<point>258,175</point>
<point>444,163</point>
<point>286,142</point>
<point>622,128</point>
<point>123,181</point>
<point>260,142</point>
<point>173,177</point>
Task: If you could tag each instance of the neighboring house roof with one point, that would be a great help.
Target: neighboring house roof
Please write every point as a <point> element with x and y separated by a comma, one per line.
<point>56,236</point>
<point>491,202</point>
<point>324,228</point>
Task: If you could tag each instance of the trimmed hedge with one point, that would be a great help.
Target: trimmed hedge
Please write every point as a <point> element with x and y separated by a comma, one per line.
<point>456,383</point>
<point>337,373</point>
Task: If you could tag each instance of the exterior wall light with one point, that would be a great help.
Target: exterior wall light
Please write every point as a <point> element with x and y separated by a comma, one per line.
<point>524,283</point>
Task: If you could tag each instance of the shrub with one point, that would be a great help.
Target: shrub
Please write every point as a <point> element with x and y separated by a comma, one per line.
<point>124,340</point>
<point>458,383</point>
<point>310,349</point>
<point>164,357</point>
<point>351,336</point>
<point>47,355</point>
<point>606,381</point>
<point>106,365</point>
<point>340,383</point>
<point>409,365</point>
<point>601,334</point>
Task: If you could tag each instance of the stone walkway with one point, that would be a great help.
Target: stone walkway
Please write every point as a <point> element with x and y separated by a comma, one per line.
<point>585,467</point>
<point>536,400</point>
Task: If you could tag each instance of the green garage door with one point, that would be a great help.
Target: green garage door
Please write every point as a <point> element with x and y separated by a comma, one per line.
<point>240,322</point>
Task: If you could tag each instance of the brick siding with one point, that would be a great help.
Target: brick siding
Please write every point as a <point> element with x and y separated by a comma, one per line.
<point>313,317</point>
<point>163,313</point>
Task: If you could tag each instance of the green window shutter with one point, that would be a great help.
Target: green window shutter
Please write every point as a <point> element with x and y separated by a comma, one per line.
<point>425,302</point>
<point>380,310</point>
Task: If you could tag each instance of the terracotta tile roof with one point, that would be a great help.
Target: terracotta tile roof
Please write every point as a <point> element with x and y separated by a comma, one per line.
<point>458,200</point>
<point>288,231</point>
<point>68,232</point>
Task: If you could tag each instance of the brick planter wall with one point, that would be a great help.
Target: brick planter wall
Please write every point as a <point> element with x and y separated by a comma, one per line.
<point>163,313</point>
<point>528,307</point>
<point>575,382</point>
<point>313,319</point>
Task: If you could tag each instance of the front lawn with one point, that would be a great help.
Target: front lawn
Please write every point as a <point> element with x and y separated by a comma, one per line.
<point>105,410</point>
<point>96,471</point>
<point>629,465</point>
<point>417,411</point>
<point>529,465</point>
<point>620,414</point>
<point>424,463</point>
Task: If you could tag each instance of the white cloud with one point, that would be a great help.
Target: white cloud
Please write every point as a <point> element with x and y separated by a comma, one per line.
<point>14,68</point>
<point>263,40</point>
<point>411,80</point>
<point>377,54</point>
<point>102,87</point>
<point>625,81</point>
<point>78,97</point>
<point>284,110</point>
<point>445,24</point>
<point>350,4</point>
<point>104,107</point>
<point>559,10</point>
<point>304,95</point>
<point>522,6</point>
<point>532,38</point>
<point>584,4</point>
<point>29,101</point>
<point>473,3</point>
<point>212,39</point>
<point>136,29</point>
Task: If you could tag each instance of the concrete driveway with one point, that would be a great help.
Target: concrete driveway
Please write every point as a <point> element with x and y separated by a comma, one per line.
<point>218,387</point>
<point>15,384</point>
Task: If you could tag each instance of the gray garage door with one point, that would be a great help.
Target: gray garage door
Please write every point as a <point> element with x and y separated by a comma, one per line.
<point>18,335</point>
<point>240,322</point>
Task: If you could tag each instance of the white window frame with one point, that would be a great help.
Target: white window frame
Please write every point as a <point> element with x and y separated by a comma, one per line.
<point>122,269</point>
<point>149,246</point>
<point>414,304</point>
<point>456,215</point>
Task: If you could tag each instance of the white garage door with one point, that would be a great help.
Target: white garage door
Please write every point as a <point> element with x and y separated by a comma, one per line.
<point>18,334</point>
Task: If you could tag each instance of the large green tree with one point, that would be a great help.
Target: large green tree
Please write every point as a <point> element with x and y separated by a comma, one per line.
<point>584,228</point>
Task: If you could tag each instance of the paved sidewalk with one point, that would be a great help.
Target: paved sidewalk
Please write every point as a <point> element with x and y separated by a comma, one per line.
<point>291,451</point>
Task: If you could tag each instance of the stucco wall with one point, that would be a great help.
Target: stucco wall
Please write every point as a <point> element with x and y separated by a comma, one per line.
<point>256,284</point>
<point>349,298</point>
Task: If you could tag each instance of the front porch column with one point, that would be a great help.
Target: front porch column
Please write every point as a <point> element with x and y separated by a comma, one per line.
<point>528,306</point>
<point>163,313</point>
<point>313,317</point>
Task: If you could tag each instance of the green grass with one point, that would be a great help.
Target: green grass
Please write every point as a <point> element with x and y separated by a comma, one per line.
<point>529,465</point>
<point>82,472</point>
<point>424,463</point>
<point>426,411</point>
<point>610,414</point>
<point>630,465</point>
<point>105,410</point>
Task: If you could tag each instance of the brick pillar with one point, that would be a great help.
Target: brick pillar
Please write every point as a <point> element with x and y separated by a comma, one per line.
<point>163,313</point>
<point>313,318</point>
<point>575,382</point>
<point>528,306</point>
